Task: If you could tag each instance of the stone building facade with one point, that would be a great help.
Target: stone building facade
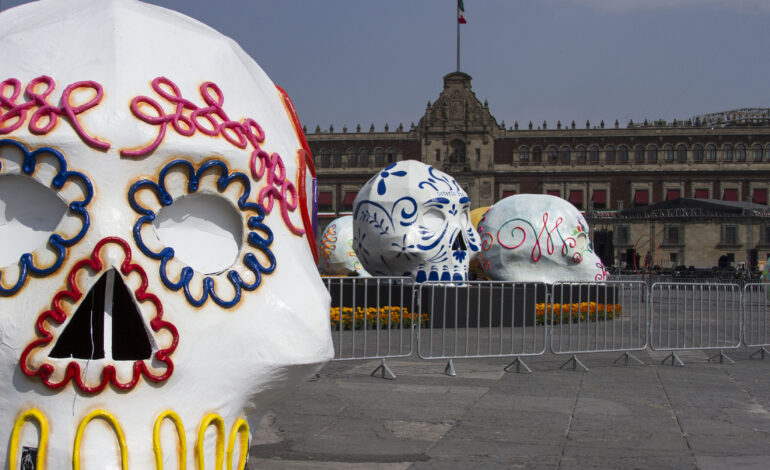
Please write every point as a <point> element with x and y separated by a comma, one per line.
<point>607,170</point>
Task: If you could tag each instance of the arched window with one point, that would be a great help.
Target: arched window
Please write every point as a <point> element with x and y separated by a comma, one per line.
<point>363,157</point>
<point>756,153</point>
<point>391,155</point>
<point>767,153</point>
<point>581,154</point>
<point>379,157</point>
<point>565,155</point>
<point>352,158</point>
<point>553,157</point>
<point>623,154</point>
<point>524,154</point>
<point>697,153</point>
<point>740,153</point>
<point>609,154</point>
<point>537,155</point>
<point>711,152</point>
<point>652,153</point>
<point>325,158</point>
<point>668,153</point>
<point>681,153</point>
<point>638,154</point>
<point>727,153</point>
<point>337,158</point>
<point>593,153</point>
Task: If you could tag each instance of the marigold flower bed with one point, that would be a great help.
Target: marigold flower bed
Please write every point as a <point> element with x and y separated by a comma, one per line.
<point>387,316</point>
<point>566,313</point>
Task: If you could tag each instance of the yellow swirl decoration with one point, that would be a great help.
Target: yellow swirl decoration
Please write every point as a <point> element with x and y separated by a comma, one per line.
<point>208,420</point>
<point>43,423</point>
<point>156,447</point>
<point>240,429</point>
<point>118,431</point>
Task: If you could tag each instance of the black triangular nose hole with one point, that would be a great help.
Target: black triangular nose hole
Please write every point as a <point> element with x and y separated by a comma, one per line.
<point>459,243</point>
<point>83,338</point>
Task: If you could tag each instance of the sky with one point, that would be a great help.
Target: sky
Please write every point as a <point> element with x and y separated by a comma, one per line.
<point>349,62</point>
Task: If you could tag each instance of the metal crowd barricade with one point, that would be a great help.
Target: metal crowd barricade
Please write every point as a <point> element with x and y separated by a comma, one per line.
<point>477,319</point>
<point>756,317</point>
<point>591,317</point>
<point>695,317</point>
<point>372,318</point>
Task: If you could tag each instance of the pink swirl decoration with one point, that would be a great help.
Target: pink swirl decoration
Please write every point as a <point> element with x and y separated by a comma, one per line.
<point>602,276</point>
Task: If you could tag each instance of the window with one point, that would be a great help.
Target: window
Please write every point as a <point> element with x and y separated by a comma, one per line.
<point>565,154</point>
<point>347,201</point>
<point>609,154</point>
<point>701,193</point>
<point>352,158</point>
<point>759,196</point>
<point>740,153</point>
<point>581,154</point>
<point>576,198</point>
<point>730,194</point>
<point>622,234</point>
<point>599,198</point>
<point>325,158</point>
<point>668,153</point>
<point>337,158</point>
<point>652,154</point>
<point>623,154</point>
<point>553,158</point>
<point>767,153</point>
<point>729,235</point>
<point>766,234</point>
<point>438,155</point>
<point>672,235</point>
<point>672,194</point>
<point>478,155</point>
<point>638,154</point>
<point>641,197</point>
<point>508,194</point>
<point>711,152</point>
<point>363,157</point>
<point>553,192</point>
<point>379,157</point>
<point>756,153</point>
<point>593,153</point>
<point>697,153</point>
<point>325,201</point>
<point>391,155</point>
<point>537,155</point>
<point>681,153</point>
<point>727,153</point>
<point>524,154</point>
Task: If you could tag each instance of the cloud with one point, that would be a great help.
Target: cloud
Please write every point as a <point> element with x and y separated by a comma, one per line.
<point>625,6</point>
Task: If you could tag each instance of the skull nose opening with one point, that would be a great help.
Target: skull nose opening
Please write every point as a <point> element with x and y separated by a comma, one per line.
<point>459,243</point>
<point>106,324</point>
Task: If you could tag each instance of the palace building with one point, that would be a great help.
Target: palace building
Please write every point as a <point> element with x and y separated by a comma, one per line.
<point>692,192</point>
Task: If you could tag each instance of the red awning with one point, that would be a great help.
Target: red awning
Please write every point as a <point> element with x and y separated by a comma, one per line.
<point>508,193</point>
<point>673,194</point>
<point>599,196</point>
<point>576,197</point>
<point>641,197</point>
<point>324,199</point>
<point>730,195</point>
<point>760,196</point>
<point>553,192</point>
<point>349,198</point>
<point>701,194</point>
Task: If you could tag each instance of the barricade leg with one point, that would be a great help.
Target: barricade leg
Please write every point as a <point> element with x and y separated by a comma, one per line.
<point>384,370</point>
<point>675,361</point>
<point>627,355</point>
<point>575,362</point>
<point>761,351</point>
<point>519,364</point>
<point>450,369</point>
<point>722,357</point>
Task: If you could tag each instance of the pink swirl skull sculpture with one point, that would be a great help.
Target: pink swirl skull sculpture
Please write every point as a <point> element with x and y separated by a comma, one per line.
<point>158,286</point>
<point>413,220</point>
<point>537,237</point>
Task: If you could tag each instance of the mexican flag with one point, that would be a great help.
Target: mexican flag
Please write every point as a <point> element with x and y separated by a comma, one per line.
<point>461,12</point>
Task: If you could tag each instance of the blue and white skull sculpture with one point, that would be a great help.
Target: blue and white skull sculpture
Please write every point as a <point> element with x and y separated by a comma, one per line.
<point>413,220</point>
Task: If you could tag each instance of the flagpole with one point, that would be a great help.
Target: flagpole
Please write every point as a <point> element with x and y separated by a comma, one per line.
<point>458,44</point>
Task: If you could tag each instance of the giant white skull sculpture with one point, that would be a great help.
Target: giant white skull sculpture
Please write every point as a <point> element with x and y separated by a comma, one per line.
<point>537,237</point>
<point>413,220</point>
<point>335,249</point>
<point>157,280</point>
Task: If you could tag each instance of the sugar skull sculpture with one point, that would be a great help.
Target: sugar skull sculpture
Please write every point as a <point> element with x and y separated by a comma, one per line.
<point>413,220</point>
<point>537,238</point>
<point>335,249</point>
<point>158,287</point>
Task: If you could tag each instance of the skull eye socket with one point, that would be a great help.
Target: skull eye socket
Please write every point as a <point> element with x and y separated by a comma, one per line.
<point>205,231</point>
<point>464,218</point>
<point>433,219</point>
<point>581,241</point>
<point>29,215</point>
